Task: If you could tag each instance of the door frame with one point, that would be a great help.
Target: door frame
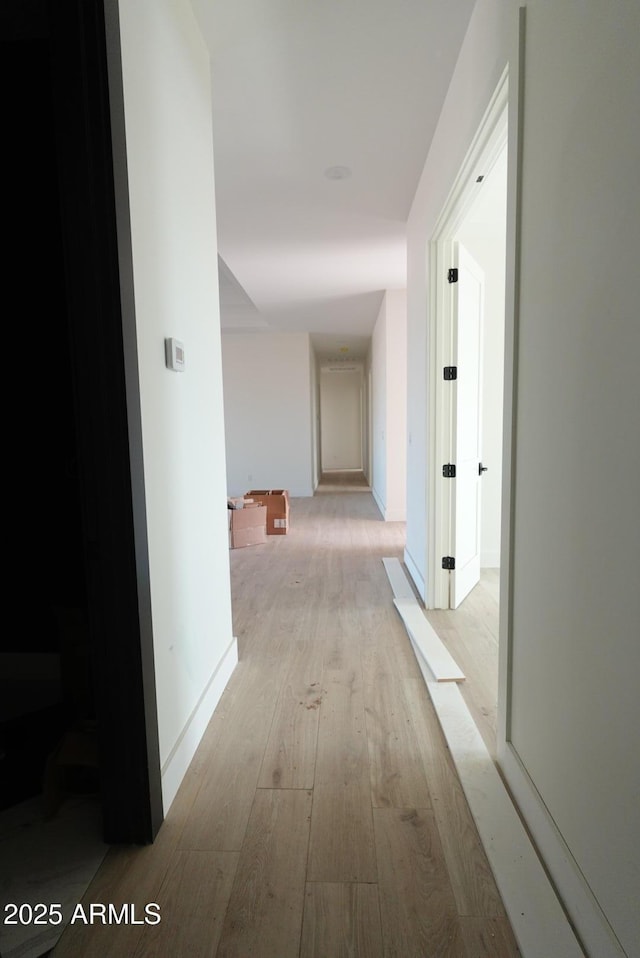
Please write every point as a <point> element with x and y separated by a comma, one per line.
<point>88,102</point>
<point>369,460</point>
<point>359,368</point>
<point>485,149</point>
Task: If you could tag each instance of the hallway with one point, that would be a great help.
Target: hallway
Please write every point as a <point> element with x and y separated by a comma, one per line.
<point>321,816</point>
<point>343,480</point>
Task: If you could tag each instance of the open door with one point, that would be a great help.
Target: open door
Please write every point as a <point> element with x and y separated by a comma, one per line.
<point>467,290</point>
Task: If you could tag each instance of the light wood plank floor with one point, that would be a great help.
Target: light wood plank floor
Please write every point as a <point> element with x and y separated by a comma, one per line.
<point>342,480</point>
<point>322,816</point>
<point>471,636</point>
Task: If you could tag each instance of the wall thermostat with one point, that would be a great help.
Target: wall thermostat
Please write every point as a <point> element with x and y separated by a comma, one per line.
<point>174,354</point>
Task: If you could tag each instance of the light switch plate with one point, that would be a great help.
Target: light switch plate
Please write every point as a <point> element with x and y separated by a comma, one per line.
<point>174,354</point>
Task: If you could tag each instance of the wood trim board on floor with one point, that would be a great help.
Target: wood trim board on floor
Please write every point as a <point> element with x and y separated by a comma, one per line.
<point>427,644</point>
<point>398,580</point>
<point>536,915</point>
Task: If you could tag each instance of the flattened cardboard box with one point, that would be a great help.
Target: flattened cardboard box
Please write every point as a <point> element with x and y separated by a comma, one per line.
<point>277,503</point>
<point>247,526</point>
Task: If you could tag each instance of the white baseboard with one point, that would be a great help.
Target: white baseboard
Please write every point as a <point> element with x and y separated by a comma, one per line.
<point>378,501</point>
<point>176,765</point>
<point>578,899</point>
<point>414,572</point>
<point>538,920</point>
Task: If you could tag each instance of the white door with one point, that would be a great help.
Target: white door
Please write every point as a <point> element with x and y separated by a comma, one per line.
<point>341,418</point>
<point>468,301</point>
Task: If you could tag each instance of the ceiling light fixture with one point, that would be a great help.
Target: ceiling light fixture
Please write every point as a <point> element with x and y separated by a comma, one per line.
<point>337,173</point>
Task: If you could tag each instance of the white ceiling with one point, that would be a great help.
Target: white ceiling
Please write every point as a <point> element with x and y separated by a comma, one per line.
<point>300,86</point>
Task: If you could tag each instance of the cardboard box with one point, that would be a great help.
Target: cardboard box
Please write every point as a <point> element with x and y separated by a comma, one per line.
<point>239,502</point>
<point>277,503</point>
<point>247,526</point>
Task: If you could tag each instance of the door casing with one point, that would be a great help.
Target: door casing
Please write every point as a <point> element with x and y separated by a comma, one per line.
<point>485,149</point>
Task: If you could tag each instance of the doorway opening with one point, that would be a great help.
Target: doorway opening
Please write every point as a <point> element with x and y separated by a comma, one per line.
<point>469,357</point>
<point>342,425</point>
<point>468,257</point>
<point>79,763</point>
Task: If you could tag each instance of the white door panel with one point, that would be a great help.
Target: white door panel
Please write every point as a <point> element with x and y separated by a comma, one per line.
<point>468,300</point>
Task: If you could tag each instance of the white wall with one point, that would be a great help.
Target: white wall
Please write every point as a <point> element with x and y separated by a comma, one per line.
<point>267,408</point>
<point>341,418</point>
<point>170,165</point>
<point>577,518</point>
<point>388,364</point>
<point>569,716</point>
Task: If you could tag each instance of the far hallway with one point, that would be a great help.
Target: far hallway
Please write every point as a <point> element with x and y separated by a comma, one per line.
<point>321,816</point>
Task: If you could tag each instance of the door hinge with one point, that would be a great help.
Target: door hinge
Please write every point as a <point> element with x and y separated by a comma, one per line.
<point>452,275</point>
<point>448,562</point>
<point>449,471</point>
<point>450,372</point>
